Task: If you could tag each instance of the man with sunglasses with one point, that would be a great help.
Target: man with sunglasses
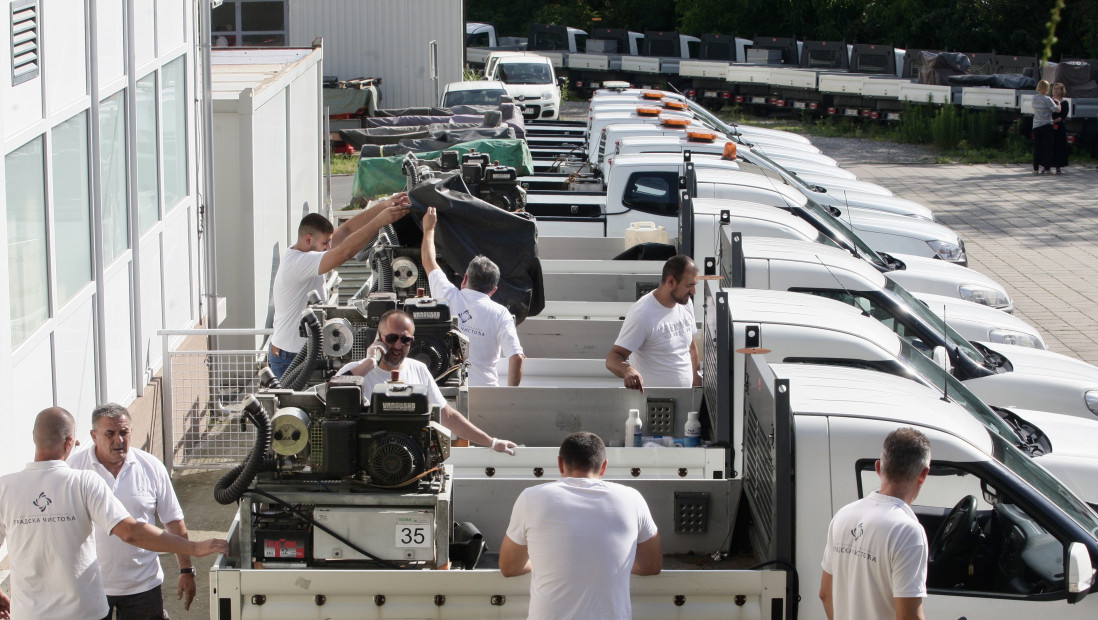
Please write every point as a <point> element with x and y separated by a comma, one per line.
<point>395,335</point>
<point>488,324</point>
<point>320,248</point>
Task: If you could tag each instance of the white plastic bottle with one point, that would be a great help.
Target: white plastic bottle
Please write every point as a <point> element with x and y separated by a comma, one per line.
<point>692,430</point>
<point>633,426</point>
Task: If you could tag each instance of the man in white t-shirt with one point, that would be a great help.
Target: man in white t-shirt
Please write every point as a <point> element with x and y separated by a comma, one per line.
<point>489,325</point>
<point>132,576</point>
<point>655,346</point>
<point>581,537</point>
<point>874,564</point>
<point>319,249</point>
<point>395,335</point>
<point>46,516</point>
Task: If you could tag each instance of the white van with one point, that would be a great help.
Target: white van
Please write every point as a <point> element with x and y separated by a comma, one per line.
<point>530,80</point>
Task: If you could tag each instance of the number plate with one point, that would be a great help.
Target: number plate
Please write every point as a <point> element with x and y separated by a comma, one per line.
<point>758,100</point>
<point>710,93</point>
<point>800,105</point>
<point>414,531</point>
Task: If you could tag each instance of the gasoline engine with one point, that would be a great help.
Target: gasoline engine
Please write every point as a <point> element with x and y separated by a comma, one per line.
<point>342,479</point>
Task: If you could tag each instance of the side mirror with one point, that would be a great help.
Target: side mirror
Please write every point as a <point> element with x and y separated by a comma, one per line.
<point>1080,572</point>
<point>562,81</point>
<point>941,358</point>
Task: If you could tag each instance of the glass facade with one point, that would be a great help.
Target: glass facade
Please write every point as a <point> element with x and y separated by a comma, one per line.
<point>148,175</point>
<point>173,99</point>
<point>25,195</point>
<point>112,170</point>
<point>71,207</point>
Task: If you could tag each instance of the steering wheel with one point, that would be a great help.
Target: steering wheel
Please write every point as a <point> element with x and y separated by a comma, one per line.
<point>954,535</point>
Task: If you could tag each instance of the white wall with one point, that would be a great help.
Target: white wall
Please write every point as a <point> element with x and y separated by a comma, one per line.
<point>386,39</point>
<point>87,350</point>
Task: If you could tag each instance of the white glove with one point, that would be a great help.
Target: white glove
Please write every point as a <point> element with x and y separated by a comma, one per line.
<point>502,445</point>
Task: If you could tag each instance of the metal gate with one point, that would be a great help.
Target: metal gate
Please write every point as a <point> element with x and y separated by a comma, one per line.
<point>203,390</point>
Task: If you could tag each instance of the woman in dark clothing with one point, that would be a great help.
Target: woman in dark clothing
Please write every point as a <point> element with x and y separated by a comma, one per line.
<point>1043,109</point>
<point>1059,129</point>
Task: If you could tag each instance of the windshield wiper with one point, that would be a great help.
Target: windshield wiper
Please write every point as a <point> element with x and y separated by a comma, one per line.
<point>1031,440</point>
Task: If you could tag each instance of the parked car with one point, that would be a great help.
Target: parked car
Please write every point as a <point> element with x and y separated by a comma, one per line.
<point>475,92</point>
<point>530,80</point>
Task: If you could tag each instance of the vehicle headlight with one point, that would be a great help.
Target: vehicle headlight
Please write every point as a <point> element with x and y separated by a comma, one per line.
<point>986,296</point>
<point>1092,401</point>
<point>1021,339</point>
<point>547,94</point>
<point>951,252</point>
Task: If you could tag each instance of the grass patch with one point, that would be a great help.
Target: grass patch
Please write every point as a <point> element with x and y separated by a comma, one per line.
<point>344,164</point>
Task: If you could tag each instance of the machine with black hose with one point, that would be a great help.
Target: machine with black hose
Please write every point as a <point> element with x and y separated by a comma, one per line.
<point>338,334</point>
<point>336,480</point>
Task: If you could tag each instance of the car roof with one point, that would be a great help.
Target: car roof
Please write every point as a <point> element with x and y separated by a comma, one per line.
<point>860,393</point>
<point>453,87</point>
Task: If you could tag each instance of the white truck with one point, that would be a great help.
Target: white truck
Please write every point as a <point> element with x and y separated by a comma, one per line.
<point>530,80</point>
<point>740,541</point>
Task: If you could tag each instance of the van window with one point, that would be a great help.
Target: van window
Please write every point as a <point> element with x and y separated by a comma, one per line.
<point>653,192</point>
<point>525,73</point>
<point>479,39</point>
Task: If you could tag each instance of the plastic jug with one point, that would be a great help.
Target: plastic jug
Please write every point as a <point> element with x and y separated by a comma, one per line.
<point>644,232</point>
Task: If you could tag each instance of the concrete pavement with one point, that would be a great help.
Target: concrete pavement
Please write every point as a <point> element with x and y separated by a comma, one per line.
<point>1034,234</point>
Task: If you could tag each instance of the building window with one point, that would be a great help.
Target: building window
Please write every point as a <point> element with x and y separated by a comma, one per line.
<point>148,175</point>
<point>251,23</point>
<point>71,207</point>
<point>25,194</point>
<point>112,171</point>
<point>173,98</point>
<point>24,41</point>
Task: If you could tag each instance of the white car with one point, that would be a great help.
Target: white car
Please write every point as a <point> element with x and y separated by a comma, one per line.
<point>475,92</point>
<point>531,81</point>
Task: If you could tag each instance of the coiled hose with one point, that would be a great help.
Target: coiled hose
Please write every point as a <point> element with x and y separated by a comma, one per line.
<point>308,358</point>
<point>233,484</point>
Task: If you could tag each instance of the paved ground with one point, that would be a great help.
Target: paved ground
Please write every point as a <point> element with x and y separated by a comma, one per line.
<point>1028,232</point>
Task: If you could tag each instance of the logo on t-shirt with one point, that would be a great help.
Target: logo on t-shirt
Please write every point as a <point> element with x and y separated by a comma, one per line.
<point>42,502</point>
<point>465,316</point>
<point>857,531</point>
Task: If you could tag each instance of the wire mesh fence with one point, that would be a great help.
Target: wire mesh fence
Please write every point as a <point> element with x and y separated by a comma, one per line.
<point>203,394</point>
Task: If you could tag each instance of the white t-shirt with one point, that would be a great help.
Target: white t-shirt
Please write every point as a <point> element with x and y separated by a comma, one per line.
<point>489,326</point>
<point>582,536</point>
<point>145,489</point>
<point>412,371</point>
<point>46,515</point>
<point>659,339</point>
<point>298,273</point>
<point>876,551</point>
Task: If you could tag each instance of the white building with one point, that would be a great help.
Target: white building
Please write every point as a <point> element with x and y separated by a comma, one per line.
<point>98,124</point>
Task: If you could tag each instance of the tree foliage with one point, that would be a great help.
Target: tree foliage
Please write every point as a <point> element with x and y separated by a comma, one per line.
<point>1017,27</point>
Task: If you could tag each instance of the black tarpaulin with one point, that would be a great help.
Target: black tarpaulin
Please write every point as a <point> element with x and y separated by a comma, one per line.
<point>996,80</point>
<point>468,226</point>
<point>436,141</point>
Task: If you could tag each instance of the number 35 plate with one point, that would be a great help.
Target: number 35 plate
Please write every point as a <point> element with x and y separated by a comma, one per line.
<point>414,531</point>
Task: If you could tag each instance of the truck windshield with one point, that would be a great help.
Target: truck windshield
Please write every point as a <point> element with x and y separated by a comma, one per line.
<point>936,376</point>
<point>1044,483</point>
<point>836,229</point>
<point>525,73</point>
<point>936,324</point>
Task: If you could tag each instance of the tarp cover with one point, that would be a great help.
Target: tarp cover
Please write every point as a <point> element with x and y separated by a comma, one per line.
<point>394,135</point>
<point>380,176</point>
<point>997,80</point>
<point>936,68</point>
<point>1075,75</point>
<point>468,226</point>
<point>349,100</point>
<point>412,112</point>
<point>437,141</point>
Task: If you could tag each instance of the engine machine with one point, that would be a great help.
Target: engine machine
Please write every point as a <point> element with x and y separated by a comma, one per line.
<point>340,334</point>
<point>339,481</point>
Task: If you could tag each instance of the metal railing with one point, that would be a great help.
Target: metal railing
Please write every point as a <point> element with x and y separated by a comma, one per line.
<point>203,390</point>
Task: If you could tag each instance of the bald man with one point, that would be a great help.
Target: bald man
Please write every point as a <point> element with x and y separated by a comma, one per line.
<point>46,516</point>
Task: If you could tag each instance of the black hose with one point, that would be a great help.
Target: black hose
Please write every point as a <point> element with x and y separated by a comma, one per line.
<point>308,358</point>
<point>232,485</point>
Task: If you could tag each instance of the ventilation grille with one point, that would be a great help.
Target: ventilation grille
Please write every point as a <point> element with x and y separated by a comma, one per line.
<point>691,512</point>
<point>24,41</point>
<point>759,475</point>
<point>661,416</point>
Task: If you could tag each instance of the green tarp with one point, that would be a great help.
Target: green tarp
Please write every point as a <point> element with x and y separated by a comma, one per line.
<point>381,176</point>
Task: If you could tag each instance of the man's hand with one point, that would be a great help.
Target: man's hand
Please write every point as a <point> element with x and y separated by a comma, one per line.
<point>5,606</point>
<point>203,548</point>
<point>429,220</point>
<point>502,445</point>
<point>633,379</point>
<point>186,588</point>
<point>392,209</point>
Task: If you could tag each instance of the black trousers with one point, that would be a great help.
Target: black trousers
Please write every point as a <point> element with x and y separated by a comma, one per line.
<point>148,605</point>
<point>1042,147</point>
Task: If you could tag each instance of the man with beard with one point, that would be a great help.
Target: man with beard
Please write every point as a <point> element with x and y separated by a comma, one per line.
<point>655,346</point>
<point>395,335</point>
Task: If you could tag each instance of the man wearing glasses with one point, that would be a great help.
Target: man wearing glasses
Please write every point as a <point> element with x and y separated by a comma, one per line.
<point>395,335</point>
